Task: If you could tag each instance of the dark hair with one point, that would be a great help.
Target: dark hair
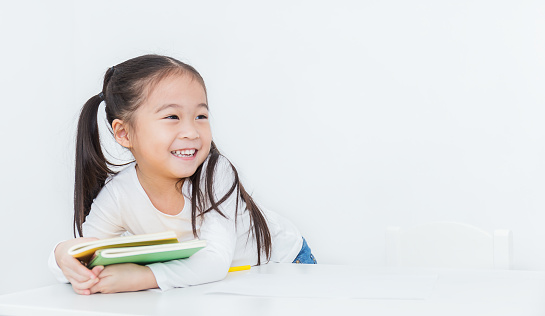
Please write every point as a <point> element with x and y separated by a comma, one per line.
<point>125,88</point>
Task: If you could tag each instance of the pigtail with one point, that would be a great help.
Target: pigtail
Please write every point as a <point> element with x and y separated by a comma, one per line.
<point>91,166</point>
<point>258,224</point>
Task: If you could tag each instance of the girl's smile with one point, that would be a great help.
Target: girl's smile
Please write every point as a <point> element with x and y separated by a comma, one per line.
<point>186,154</point>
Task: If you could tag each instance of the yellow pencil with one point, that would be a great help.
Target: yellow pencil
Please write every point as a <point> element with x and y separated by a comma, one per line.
<point>240,268</point>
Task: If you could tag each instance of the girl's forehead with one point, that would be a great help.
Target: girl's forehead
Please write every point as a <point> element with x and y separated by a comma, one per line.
<point>184,90</point>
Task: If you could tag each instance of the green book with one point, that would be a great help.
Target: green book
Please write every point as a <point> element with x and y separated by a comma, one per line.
<point>146,254</point>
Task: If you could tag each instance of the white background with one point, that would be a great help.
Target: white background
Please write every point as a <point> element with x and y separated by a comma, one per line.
<point>345,116</point>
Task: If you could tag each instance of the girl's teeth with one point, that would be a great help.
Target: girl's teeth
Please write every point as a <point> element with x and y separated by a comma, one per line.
<point>184,153</point>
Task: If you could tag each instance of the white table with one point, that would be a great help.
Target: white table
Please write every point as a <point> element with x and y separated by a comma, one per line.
<point>310,290</point>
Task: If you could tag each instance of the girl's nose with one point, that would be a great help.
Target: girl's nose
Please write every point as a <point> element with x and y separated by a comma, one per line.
<point>189,131</point>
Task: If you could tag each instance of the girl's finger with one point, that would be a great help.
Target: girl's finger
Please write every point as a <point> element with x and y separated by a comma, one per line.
<point>72,275</point>
<point>82,292</point>
<point>96,288</point>
<point>97,270</point>
<point>85,285</point>
<point>76,270</point>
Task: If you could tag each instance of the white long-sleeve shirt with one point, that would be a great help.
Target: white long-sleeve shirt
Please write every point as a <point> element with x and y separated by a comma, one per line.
<point>123,207</point>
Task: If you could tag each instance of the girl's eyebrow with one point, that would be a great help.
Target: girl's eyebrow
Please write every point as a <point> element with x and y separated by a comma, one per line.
<point>173,105</point>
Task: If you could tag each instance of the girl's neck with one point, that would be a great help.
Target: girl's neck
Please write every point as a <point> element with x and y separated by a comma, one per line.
<point>164,194</point>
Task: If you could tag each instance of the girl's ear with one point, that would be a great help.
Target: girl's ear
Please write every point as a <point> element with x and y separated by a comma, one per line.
<point>121,133</point>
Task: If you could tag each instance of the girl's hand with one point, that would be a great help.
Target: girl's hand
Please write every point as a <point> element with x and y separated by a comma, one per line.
<point>81,278</point>
<point>124,277</point>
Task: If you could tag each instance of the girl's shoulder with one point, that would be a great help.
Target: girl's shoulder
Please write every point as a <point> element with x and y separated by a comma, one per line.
<point>124,178</point>
<point>116,191</point>
<point>123,175</point>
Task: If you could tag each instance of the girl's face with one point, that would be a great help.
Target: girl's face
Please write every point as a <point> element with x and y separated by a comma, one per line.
<point>172,136</point>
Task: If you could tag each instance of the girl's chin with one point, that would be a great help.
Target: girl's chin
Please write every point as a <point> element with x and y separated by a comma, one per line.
<point>183,172</point>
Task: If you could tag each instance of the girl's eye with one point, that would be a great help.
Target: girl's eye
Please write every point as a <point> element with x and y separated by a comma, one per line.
<point>172,117</point>
<point>202,117</point>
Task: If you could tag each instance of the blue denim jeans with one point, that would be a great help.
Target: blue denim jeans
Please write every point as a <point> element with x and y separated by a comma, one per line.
<point>305,255</point>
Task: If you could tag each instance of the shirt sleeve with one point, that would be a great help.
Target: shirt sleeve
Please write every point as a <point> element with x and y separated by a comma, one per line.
<point>54,267</point>
<point>211,263</point>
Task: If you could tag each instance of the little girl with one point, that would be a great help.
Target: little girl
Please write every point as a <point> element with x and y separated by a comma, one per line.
<point>157,108</point>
